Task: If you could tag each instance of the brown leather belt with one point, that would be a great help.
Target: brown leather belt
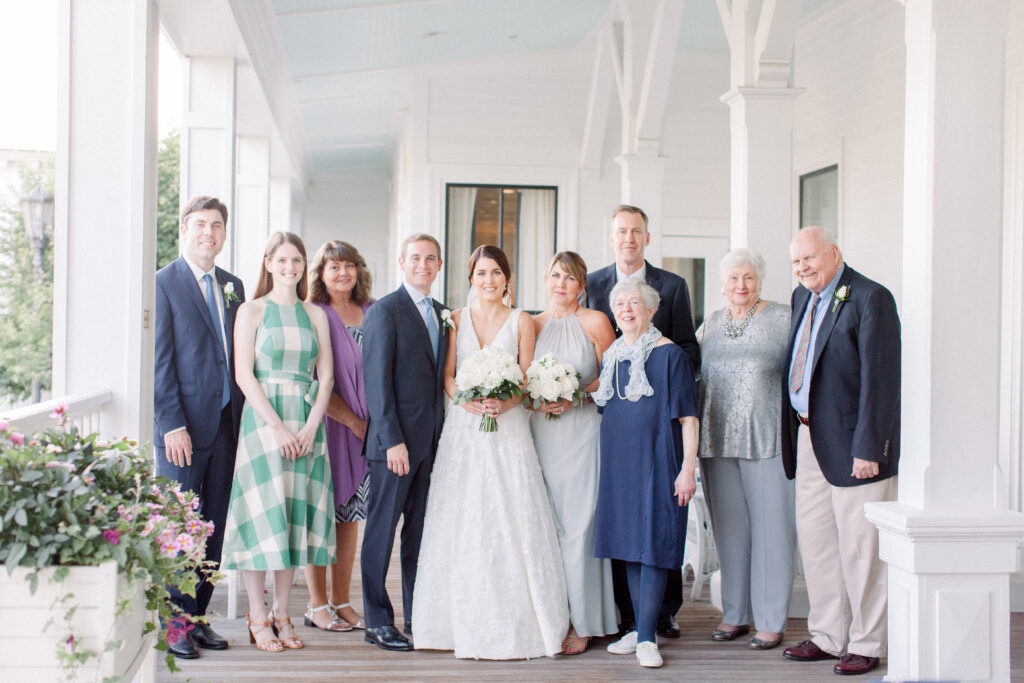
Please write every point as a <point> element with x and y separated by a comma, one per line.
<point>805,420</point>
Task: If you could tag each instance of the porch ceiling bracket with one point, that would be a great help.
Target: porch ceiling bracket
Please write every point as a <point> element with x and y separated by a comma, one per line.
<point>761,35</point>
<point>642,48</point>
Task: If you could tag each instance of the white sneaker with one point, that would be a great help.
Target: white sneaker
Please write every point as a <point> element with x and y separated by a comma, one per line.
<point>647,653</point>
<point>626,645</point>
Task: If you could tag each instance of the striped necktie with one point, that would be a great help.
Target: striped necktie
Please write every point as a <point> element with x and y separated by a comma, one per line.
<point>796,373</point>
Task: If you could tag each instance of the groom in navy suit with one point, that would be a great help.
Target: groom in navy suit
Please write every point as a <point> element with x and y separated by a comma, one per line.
<point>405,347</point>
<point>197,405</point>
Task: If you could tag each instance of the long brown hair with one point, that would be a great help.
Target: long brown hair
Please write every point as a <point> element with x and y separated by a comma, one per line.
<point>496,255</point>
<point>266,282</point>
<point>336,250</point>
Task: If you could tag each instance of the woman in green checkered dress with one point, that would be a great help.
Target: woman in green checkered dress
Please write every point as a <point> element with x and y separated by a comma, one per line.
<point>280,514</point>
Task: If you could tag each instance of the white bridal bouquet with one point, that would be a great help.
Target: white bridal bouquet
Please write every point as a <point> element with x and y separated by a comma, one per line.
<point>550,379</point>
<point>488,373</point>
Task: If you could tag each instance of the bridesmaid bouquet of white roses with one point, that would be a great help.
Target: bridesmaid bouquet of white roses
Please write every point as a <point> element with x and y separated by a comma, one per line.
<point>488,373</point>
<point>550,379</point>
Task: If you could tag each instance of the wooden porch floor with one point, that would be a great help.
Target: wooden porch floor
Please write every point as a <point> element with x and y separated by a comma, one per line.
<point>693,657</point>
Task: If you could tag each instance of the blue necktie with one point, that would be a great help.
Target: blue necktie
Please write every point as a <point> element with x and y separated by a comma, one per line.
<point>211,303</point>
<point>428,318</point>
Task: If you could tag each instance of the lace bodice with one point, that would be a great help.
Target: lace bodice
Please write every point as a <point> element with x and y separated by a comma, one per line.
<point>468,343</point>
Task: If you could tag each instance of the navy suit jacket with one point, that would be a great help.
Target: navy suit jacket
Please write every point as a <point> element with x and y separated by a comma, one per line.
<point>189,359</point>
<point>854,407</point>
<point>673,318</point>
<point>404,378</point>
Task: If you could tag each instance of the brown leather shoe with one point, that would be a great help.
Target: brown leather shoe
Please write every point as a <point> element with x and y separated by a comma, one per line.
<point>806,651</point>
<point>855,665</point>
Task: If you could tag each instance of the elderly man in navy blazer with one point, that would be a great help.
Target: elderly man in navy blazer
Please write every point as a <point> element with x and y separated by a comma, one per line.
<point>197,405</point>
<point>840,440</point>
<point>629,239</point>
<point>405,348</point>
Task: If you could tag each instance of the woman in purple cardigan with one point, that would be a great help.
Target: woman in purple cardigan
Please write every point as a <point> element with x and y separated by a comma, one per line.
<point>340,284</point>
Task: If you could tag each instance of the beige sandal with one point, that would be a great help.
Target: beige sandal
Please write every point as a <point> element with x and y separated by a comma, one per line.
<point>337,625</point>
<point>290,642</point>
<point>267,644</point>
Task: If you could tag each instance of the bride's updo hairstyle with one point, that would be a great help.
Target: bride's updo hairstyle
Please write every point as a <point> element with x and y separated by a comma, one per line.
<point>496,255</point>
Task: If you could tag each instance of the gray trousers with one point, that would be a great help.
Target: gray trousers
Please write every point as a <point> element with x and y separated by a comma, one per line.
<point>754,520</point>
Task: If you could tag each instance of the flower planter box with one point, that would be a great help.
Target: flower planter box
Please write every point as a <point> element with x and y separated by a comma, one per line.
<point>28,649</point>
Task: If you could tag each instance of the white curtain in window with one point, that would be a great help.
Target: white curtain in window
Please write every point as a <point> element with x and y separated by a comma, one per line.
<point>461,212</point>
<point>536,247</point>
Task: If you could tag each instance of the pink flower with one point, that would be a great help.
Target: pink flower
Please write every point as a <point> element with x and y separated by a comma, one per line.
<point>176,629</point>
<point>69,644</point>
<point>113,537</point>
<point>59,410</point>
<point>18,439</point>
<point>4,425</point>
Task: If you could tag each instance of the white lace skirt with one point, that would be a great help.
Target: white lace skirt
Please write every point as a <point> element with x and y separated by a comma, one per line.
<point>490,583</point>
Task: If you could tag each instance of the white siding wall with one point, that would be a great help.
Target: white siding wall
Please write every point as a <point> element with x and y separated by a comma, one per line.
<point>850,58</point>
<point>351,206</point>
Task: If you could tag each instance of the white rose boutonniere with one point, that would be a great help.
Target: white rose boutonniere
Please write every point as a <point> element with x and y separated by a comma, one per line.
<point>229,294</point>
<point>446,319</point>
<point>839,296</point>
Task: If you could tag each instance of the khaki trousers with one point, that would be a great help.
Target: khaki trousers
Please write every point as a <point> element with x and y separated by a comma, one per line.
<point>846,581</point>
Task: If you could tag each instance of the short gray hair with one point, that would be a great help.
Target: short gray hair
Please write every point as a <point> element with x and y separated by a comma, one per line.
<point>633,284</point>
<point>741,256</point>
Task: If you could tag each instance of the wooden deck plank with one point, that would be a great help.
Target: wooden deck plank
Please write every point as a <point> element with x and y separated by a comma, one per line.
<point>327,656</point>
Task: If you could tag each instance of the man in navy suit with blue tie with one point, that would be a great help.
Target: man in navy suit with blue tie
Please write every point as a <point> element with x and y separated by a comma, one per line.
<point>405,346</point>
<point>197,405</point>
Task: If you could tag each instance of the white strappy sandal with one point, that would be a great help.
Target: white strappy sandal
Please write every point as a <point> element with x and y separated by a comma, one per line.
<point>337,625</point>
<point>335,608</point>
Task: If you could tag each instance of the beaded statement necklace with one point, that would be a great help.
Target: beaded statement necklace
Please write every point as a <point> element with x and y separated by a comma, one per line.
<point>735,328</point>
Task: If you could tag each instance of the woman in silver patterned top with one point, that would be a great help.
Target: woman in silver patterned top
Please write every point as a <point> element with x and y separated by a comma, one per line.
<point>751,501</point>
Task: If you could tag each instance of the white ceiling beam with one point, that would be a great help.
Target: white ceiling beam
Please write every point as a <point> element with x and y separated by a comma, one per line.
<point>661,54</point>
<point>596,123</point>
<point>725,14</point>
<point>261,34</point>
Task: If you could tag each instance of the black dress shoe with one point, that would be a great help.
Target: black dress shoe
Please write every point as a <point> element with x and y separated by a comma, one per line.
<point>208,639</point>
<point>387,638</point>
<point>185,648</point>
<point>668,628</point>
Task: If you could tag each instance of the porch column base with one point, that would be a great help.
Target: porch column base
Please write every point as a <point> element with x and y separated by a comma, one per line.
<point>949,590</point>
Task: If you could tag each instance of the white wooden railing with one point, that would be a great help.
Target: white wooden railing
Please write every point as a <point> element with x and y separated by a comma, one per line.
<point>83,411</point>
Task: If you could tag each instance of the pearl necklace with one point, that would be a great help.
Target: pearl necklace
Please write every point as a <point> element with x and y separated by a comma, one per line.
<point>618,392</point>
<point>733,328</point>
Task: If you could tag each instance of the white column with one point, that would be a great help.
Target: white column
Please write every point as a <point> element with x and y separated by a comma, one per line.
<point>761,193</point>
<point>208,137</point>
<point>642,178</point>
<point>105,253</point>
<point>950,542</point>
<point>251,207</point>
<point>281,205</point>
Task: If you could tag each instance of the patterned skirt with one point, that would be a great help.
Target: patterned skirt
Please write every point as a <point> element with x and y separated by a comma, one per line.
<point>354,509</point>
<point>279,513</point>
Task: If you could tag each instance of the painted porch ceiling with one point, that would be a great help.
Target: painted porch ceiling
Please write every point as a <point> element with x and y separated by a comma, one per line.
<point>348,57</point>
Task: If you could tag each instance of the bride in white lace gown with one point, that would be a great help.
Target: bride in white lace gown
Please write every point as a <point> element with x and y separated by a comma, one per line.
<point>490,583</point>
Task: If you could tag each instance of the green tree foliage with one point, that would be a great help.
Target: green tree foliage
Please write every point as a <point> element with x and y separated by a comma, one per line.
<point>168,204</point>
<point>26,303</point>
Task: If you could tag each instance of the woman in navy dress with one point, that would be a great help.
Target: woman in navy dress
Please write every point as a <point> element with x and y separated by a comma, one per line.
<point>649,434</point>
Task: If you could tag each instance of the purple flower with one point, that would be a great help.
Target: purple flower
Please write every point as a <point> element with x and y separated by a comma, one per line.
<point>17,438</point>
<point>113,536</point>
